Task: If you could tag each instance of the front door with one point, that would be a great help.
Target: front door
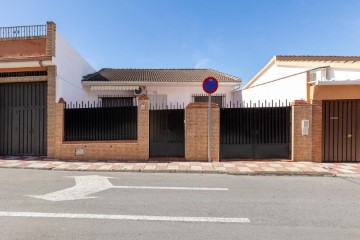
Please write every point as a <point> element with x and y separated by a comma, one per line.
<point>167,133</point>
<point>23,118</point>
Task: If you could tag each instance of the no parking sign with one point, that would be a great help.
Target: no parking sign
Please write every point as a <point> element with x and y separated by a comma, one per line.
<point>210,85</point>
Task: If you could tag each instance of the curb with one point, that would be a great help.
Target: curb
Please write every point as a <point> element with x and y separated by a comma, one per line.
<point>314,174</point>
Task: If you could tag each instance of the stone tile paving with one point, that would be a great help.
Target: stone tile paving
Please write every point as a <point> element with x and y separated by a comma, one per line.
<point>230,167</point>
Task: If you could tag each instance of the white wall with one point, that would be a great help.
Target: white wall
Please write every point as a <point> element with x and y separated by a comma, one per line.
<point>344,74</point>
<point>71,67</point>
<point>175,94</point>
<point>288,89</point>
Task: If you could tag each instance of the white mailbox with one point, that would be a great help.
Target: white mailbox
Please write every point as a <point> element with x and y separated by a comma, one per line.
<point>305,127</point>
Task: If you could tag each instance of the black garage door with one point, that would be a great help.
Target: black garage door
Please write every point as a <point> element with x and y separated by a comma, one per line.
<point>255,133</point>
<point>23,118</point>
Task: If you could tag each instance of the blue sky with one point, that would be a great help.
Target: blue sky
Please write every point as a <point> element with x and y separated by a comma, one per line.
<point>235,37</point>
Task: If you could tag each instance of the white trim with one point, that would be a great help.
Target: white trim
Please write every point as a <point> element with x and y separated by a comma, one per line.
<point>338,82</point>
<point>36,63</point>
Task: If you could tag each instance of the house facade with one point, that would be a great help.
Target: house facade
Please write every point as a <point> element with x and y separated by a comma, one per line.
<point>38,67</point>
<point>325,92</point>
<point>289,78</point>
<point>164,87</point>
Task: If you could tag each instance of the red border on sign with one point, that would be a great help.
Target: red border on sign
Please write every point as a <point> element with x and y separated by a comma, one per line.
<point>205,80</point>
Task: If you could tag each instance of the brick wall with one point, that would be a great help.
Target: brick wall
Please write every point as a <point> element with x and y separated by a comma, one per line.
<point>301,145</point>
<point>109,150</point>
<point>196,132</point>
<point>51,92</point>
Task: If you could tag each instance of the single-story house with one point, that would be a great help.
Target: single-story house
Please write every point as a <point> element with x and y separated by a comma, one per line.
<point>164,87</point>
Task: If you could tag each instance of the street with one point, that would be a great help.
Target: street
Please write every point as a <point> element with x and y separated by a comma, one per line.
<point>38,204</point>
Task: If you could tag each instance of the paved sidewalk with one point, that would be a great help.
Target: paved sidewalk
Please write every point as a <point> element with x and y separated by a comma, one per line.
<point>233,167</point>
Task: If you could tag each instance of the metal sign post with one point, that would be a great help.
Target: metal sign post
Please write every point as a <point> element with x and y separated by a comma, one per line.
<point>209,129</point>
<point>210,85</point>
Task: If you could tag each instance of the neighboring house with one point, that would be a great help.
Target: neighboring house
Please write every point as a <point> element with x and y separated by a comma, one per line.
<point>164,87</point>
<point>289,78</point>
<point>37,67</point>
<point>330,89</point>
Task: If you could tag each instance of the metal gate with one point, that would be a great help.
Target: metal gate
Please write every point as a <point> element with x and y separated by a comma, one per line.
<point>255,133</point>
<point>167,133</point>
<point>23,118</point>
<point>341,131</point>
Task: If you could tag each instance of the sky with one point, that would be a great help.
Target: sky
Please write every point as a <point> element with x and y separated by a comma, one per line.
<point>232,36</point>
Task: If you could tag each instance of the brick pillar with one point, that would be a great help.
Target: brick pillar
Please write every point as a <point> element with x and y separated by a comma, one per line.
<point>143,127</point>
<point>196,132</point>
<point>301,145</point>
<point>51,38</point>
<point>51,91</point>
<point>317,130</point>
<point>59,126</point>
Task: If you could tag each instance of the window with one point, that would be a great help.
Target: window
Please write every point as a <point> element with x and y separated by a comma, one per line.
<point>217,98</point>
<point>117,101</point>
<point>158,101</point>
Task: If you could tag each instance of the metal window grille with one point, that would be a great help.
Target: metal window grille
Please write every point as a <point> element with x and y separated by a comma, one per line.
<point>219,99</point>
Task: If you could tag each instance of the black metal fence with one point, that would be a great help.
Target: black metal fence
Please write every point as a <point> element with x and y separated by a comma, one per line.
<point>95,122</point>
<point>23,31</point>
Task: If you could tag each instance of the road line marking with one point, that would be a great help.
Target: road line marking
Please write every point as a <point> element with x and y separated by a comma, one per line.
<point>124,217</point>
<point>172,188</point>
<point>92,184</point>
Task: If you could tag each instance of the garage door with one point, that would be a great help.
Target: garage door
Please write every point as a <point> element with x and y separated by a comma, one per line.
<point>341,131</point>
<point>23,118</point>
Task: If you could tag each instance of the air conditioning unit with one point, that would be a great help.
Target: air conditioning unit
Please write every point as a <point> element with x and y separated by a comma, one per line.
<point>139,91</point>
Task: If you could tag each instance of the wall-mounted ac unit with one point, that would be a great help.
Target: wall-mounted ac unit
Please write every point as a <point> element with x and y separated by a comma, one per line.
<point>139,91</point>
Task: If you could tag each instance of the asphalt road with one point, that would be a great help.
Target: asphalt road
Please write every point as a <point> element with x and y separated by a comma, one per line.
<point>269,207</point>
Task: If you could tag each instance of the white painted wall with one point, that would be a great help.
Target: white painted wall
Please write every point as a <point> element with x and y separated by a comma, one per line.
<point>344,74</point>
<point>178,93</point>
<point>71,67</point>
<point>288,89</point>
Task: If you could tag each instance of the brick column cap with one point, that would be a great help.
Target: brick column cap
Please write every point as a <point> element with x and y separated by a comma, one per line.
<point>143,97</point>
<point>300,103</point>
<point>201,105</point>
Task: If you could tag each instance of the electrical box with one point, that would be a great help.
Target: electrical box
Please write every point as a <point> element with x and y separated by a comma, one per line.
<point>305,127</point>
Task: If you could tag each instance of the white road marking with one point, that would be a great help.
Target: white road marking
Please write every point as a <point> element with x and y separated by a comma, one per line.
<point>124,217</point>
<point>173,188</point>
<point>87,185</point>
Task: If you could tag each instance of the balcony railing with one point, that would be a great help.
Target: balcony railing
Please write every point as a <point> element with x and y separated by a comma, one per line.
<point>23,31</point>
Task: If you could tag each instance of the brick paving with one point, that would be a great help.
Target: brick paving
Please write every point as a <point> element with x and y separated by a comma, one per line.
<point>284,167</point>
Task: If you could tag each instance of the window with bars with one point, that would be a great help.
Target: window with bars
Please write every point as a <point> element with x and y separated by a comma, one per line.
<point>219,99</point>
<point>117,101</point>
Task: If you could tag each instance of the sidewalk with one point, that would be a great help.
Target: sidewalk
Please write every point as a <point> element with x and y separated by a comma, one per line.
<point>234,167</point>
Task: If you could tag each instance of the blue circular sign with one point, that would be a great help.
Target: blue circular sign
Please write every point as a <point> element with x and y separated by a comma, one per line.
<point>210,85</point>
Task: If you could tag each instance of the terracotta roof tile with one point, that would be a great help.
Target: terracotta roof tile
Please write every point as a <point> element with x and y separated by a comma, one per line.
<point>158,75</point>
<point>307,58</point>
